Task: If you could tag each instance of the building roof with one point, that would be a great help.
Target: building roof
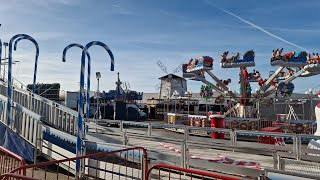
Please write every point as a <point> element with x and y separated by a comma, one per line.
<point>173,76</point>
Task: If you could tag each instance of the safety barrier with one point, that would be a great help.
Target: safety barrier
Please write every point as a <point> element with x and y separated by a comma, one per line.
<point>172,172</point>
<point>230,123</point>
<point>10,161</point>
<point>128,163</point>
<point>25,122</point>
<point>57,115</point>
<point>149,137</point>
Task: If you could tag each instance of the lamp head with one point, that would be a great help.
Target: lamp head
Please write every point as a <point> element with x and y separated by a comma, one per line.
<point>98,75</point>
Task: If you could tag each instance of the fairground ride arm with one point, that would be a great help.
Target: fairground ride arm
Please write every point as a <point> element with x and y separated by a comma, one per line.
<point>221,84</point>
<point>268,83</point>
<point>289,79</point>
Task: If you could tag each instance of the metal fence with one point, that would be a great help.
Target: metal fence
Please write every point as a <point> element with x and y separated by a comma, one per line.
<point>186,149</point>
<point>10,161</point>
<point>130,163</point>
<point>229,123</point>
<point>162,171</point>
<point>52,113</point>
<point>24,122</point>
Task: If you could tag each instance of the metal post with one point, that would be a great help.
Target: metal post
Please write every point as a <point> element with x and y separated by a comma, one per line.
<point>207,108</point>
<point>311,109</point>
<point>230,107</point>
<point>183,154</point>
<point>258,113</point>
<point>149,129</point>
<point>188,105</point>
<point>143,169</point>
<point>275,160</point>
<point>169,104</point>
<point>184,149</point>
<point>121,125</point>
<point>97,113</point>
<point>189,95</point>
<point>125,138</point>
<point>5,57</point>
<point>233,139</point>
<point>164,108</point>
<point>175,105</point>
<point>278,162</point>
<point>297,146</point>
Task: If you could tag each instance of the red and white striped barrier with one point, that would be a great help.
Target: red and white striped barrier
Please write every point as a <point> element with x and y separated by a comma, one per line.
<point>220,159</point>
<point>279,141</point>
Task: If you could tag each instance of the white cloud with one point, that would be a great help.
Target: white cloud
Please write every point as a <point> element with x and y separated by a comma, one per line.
<point>259,28</point>
<point>48,3</point>
<point>121,9</point>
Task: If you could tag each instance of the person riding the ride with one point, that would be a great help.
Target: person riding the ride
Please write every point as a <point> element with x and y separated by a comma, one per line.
<point>288,56</point>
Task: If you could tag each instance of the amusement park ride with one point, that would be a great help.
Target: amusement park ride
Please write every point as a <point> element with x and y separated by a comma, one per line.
<point>279,81</point>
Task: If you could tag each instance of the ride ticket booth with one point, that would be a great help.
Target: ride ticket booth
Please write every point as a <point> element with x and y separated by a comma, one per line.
<point>217,121</point>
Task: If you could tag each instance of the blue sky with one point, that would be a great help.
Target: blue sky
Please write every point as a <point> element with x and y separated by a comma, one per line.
<point>142,32</point>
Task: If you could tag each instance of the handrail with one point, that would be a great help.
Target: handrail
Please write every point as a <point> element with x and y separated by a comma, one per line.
<point>84,157</point>
<point>208,129</point>
<point>17,176</point>
<point>191,171</point>
<point>40,98</point>
<point>14,156</point>
<point>267,170</point>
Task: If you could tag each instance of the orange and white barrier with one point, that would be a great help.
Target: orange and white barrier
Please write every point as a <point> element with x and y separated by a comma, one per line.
<point>219,159</point>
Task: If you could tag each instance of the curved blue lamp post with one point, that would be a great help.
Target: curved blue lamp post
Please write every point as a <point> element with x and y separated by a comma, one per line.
<point>19,37</point>
<point>36,59</point>
<point>1,55</point>
<point>80,105</point>
<point>80,111</point>
<point>89,63</point>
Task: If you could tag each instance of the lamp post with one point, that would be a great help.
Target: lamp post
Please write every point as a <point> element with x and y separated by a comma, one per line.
<point>98,76</point>
<point>189,95</point>
<point>6,44</point>
<point>310,94</point>
<point>175,95</point>
<point>164,106</point>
